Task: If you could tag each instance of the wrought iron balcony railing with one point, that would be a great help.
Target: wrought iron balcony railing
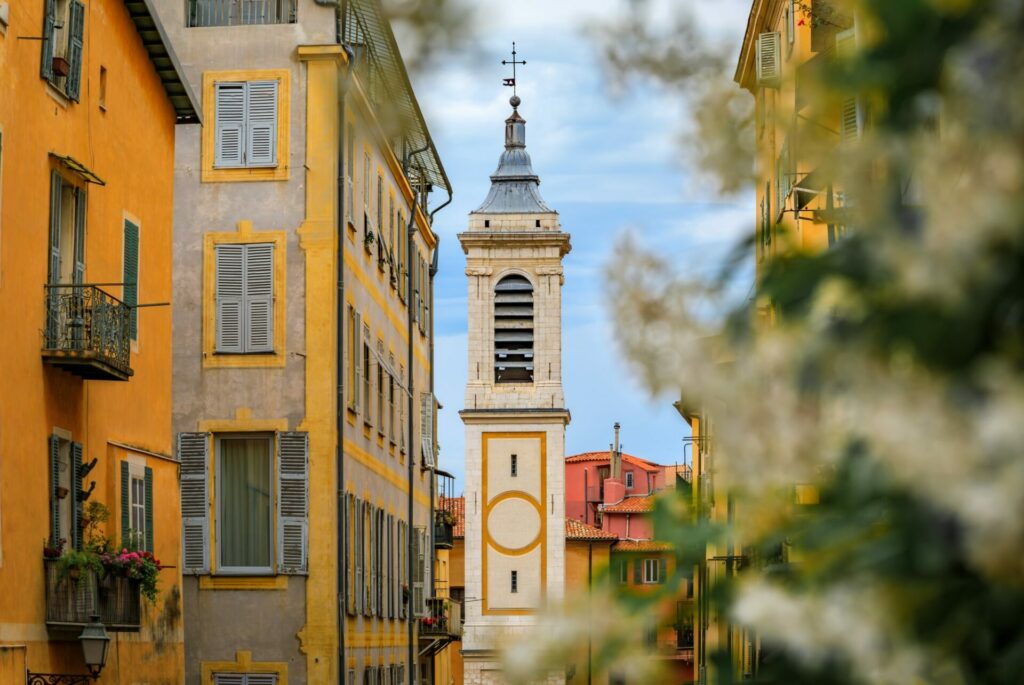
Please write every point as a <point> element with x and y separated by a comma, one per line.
<point>87,332</point>
<point>443,622</point>
<point>71,597</point>
<point>240,12</point>
<point>444,530</point>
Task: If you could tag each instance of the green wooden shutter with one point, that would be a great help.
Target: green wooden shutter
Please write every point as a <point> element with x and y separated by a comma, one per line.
<point>193,455</point>
<point>46,59</point>
<point>229,296</point>
<point>638,571</point>
<point>56,191</point>
<point>54,484</point>
<point>126,505</point>
<point>261,123</point>
<point>81,206</point>
<point>357,528</point>
<point>259,298</point>
<point>131,274</point>
<point>662,570</point>
<point>229,125</point>
<point>72,85</point>
<point>292,502</point>
<point>149,509</point>
<point>76,494</point>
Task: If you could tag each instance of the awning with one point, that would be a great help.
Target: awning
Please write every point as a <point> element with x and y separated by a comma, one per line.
<point>83,171</point>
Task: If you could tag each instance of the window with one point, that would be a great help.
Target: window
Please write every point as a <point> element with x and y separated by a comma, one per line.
<point>402,429</point>
<point>381,389</point>
<point>350,553</point>
<point>103,88</point>
<point>131,275</point>
<point>63,38</point>
<point>244,679</point>
<point>623,572</point>
<point>403,260</point>
<point>367,552</point>
<point>368,230</point>
<point>515,582</point>
<point>244,294</point>
<point>246,124</point>
<point>514,465</point>
<point>419,580</point>
<point>137,503</point>
<point>381,225</point>
<point>629,480</point>
<point>513,330</point>
<point>355,364</point>
<point>392,418</point>
<point>65,482</point>
<point>366,375</point>
<point>653,571</point>
<point>360,556</point>
<point>244,501</point>
<point>350,172</point>
<point>67,231</point>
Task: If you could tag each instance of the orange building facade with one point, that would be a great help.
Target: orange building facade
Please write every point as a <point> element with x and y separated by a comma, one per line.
<point>90,102</point>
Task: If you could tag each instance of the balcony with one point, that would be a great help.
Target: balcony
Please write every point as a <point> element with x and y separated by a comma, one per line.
<point>444,530</point>
<point>87,332</point>
<point>71,600</point>
<point>240,12</point>
<point>441,626</point>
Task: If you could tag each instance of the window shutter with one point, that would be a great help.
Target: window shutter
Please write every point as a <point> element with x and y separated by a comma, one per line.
<point>358,527</point>
<point>76,494</point>
<point>72,85</point>
<point>126,509</point>
<point>261,679</point>
<point>46,59</point>
<point>851,116</point>
<point>229,295</point>
<point>54,484</point>
<point>769,67</point>
<point>80,214</point>
<point>389,567</point>
<point>230,124</point>
<point>367,558</point>
<point>350,553</point>
<point>131,274</point>
<point>193,455</point>
<point>790,26</point>
<point>293,502</point>
<point>418,600</point>
<point>638,571</point>
<point>56,187</point>
<point>149,509</point>
<point>357,353</point>
<point>259,298</point>
<point>261,123</point>
<point>662,570</point>
<point>427,427</point>
<point>374,563</point>
<point>229,679</point>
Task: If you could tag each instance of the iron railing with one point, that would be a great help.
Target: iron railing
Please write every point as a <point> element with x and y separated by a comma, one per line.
<point>444,530</point>
<point>443,619</point>
<point>240,12</point>
<point>84,323</point>
<point>73,596</point>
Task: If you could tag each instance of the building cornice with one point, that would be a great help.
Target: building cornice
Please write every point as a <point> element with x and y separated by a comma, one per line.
<point>516,238</point>
<point>524,416</point>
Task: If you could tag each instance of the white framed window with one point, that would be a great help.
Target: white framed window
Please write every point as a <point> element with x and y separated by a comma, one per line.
<point>654,571</point>
<point>244,679</point>
<point>629,480</point>
<point>137,504</point>
<point>246,124</point>
<point>244,504</point>
<point>244,295</point>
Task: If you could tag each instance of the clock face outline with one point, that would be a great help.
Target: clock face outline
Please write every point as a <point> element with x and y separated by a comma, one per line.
<point>525,534</point>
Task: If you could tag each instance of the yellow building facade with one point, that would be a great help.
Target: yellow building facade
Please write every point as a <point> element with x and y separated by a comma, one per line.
<point>91,98</point>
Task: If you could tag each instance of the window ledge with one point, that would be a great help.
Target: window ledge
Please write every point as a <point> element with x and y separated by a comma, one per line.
<point>243,582</point>
<point>243,361</point>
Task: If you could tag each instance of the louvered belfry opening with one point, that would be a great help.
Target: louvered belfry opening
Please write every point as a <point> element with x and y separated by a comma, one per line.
<point>513,330</point>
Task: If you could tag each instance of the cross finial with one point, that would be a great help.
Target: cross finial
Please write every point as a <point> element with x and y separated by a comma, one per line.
<point>511,82</point>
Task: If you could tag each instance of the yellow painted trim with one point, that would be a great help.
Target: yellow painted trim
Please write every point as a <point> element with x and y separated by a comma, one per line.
<point>243,663</point>
<point>488,542</point>
<point>381,469</point>
<point>308,53</point>
<point>243,235</point>
<point>243,582</point>
<point>243,423</point>
<point>529,499</point>
<point>208,173</point>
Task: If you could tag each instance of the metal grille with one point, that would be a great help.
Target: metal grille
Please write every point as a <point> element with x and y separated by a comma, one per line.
<point>84,321</point>
<point>240,12</point>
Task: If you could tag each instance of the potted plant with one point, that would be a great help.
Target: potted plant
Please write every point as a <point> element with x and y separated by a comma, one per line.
<point>73,562</point>
<point>138,566</point>
<point>61,67</point>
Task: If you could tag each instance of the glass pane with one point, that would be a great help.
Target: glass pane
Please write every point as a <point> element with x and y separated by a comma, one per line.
<point>245,502</point>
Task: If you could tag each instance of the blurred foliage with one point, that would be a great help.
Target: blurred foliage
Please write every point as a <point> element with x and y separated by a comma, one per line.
<point>430,30</point>
<point>886,370</point>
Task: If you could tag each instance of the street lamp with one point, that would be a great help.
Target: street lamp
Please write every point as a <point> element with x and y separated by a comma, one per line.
<point>95,640</point>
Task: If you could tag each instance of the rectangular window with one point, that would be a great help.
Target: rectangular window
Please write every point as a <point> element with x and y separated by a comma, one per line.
<point>244,504</point>
<point>355,364</point>
<point>402,258</point>
<point>350,173</point>
<point>137,507</point>
<point>652,571</point>
<point>419,568</point>
<point>402,404</point>
<point>392,422</point>
<point>62,41</point>
<point>244,295</point>
<point>381,388</point>
<point>67,231</point>
<point>514,465</point>
<point>360,556</point>
<point>246,124</point>
<point>131,274</point>
<point>368,229</point>
<point>367,380</point>
<point>515,581</point>
<point>244,679</point>
<point>623,572</point>
<point>629,480</point>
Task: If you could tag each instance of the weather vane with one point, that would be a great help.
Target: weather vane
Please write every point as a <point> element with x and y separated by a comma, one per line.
<point>511,82</point>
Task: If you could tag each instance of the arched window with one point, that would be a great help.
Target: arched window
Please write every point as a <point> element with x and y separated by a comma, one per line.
<point>513,330</point>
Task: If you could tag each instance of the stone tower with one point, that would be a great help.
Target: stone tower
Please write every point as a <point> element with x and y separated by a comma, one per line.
<point>515,415</point>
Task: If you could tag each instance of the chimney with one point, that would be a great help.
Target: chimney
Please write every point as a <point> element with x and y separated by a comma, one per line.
<point>616,457</point>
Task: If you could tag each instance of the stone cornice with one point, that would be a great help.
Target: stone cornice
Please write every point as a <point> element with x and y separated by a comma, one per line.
<point>516,239</point>
<point>538,415</point>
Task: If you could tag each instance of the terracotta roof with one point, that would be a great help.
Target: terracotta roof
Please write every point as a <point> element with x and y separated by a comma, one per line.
<point>457,505</point>
<point>606,456</point>
<point>642,546</point>
<point>631,505</point>
<point>577,530</point>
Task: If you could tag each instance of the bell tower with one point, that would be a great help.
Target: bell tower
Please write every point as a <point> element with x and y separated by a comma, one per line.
<point>515,415</point>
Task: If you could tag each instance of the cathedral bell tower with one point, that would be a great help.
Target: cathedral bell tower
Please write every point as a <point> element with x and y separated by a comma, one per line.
<point>515,415</point>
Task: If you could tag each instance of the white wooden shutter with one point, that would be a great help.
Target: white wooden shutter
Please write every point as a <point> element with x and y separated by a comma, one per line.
<point>72,85</point>
<point>261,679</point>
<point>193,453</point>
<point>357,355</point>
<point>851,117</point>
<point>261,124</point>
<point>230,290</point>
<point>419,560</point>
<point>358,527</point>
<point>427,427</point>
<point>292,502</point>
<point>259,298</point>
<point>228,679</point>
<point>769,61</point>
<point>230,124</point>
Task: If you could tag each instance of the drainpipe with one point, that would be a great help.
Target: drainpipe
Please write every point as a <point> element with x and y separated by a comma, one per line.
<point>590,583</point>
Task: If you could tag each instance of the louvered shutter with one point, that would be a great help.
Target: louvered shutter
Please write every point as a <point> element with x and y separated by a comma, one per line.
<point>229,679</point>
<point>259,298</point>
<point>80,213</point>
<point>131,274</point>
<point>367,558</point>
<point>46,59</point>
<point>149,509</point>
<point>374,562</point>
<point>851,122</point>
<point>662,570</point>
<point>769,60</point>
<point>54,484</point>
<point>427,427</point>
<point>56,188</point>
<point>76,495</point>
<point>261,123</point>
<point>126,505</point>
<point>638,571</point>
<point>230,125</point>
<point>419,559</point>
<point>350,553</point>
<point>358,527</point>
<point>293,502</point>
<point>229,294</point>
<point>193,453</point>
<point>357,354</point>
<point>261,679</point>
<point>72,85</point>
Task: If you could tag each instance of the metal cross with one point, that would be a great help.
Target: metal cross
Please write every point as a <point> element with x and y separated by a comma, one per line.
<point>512,81</point>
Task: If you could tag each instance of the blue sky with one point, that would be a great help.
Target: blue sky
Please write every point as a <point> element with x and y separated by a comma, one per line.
<point>607,165</point>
